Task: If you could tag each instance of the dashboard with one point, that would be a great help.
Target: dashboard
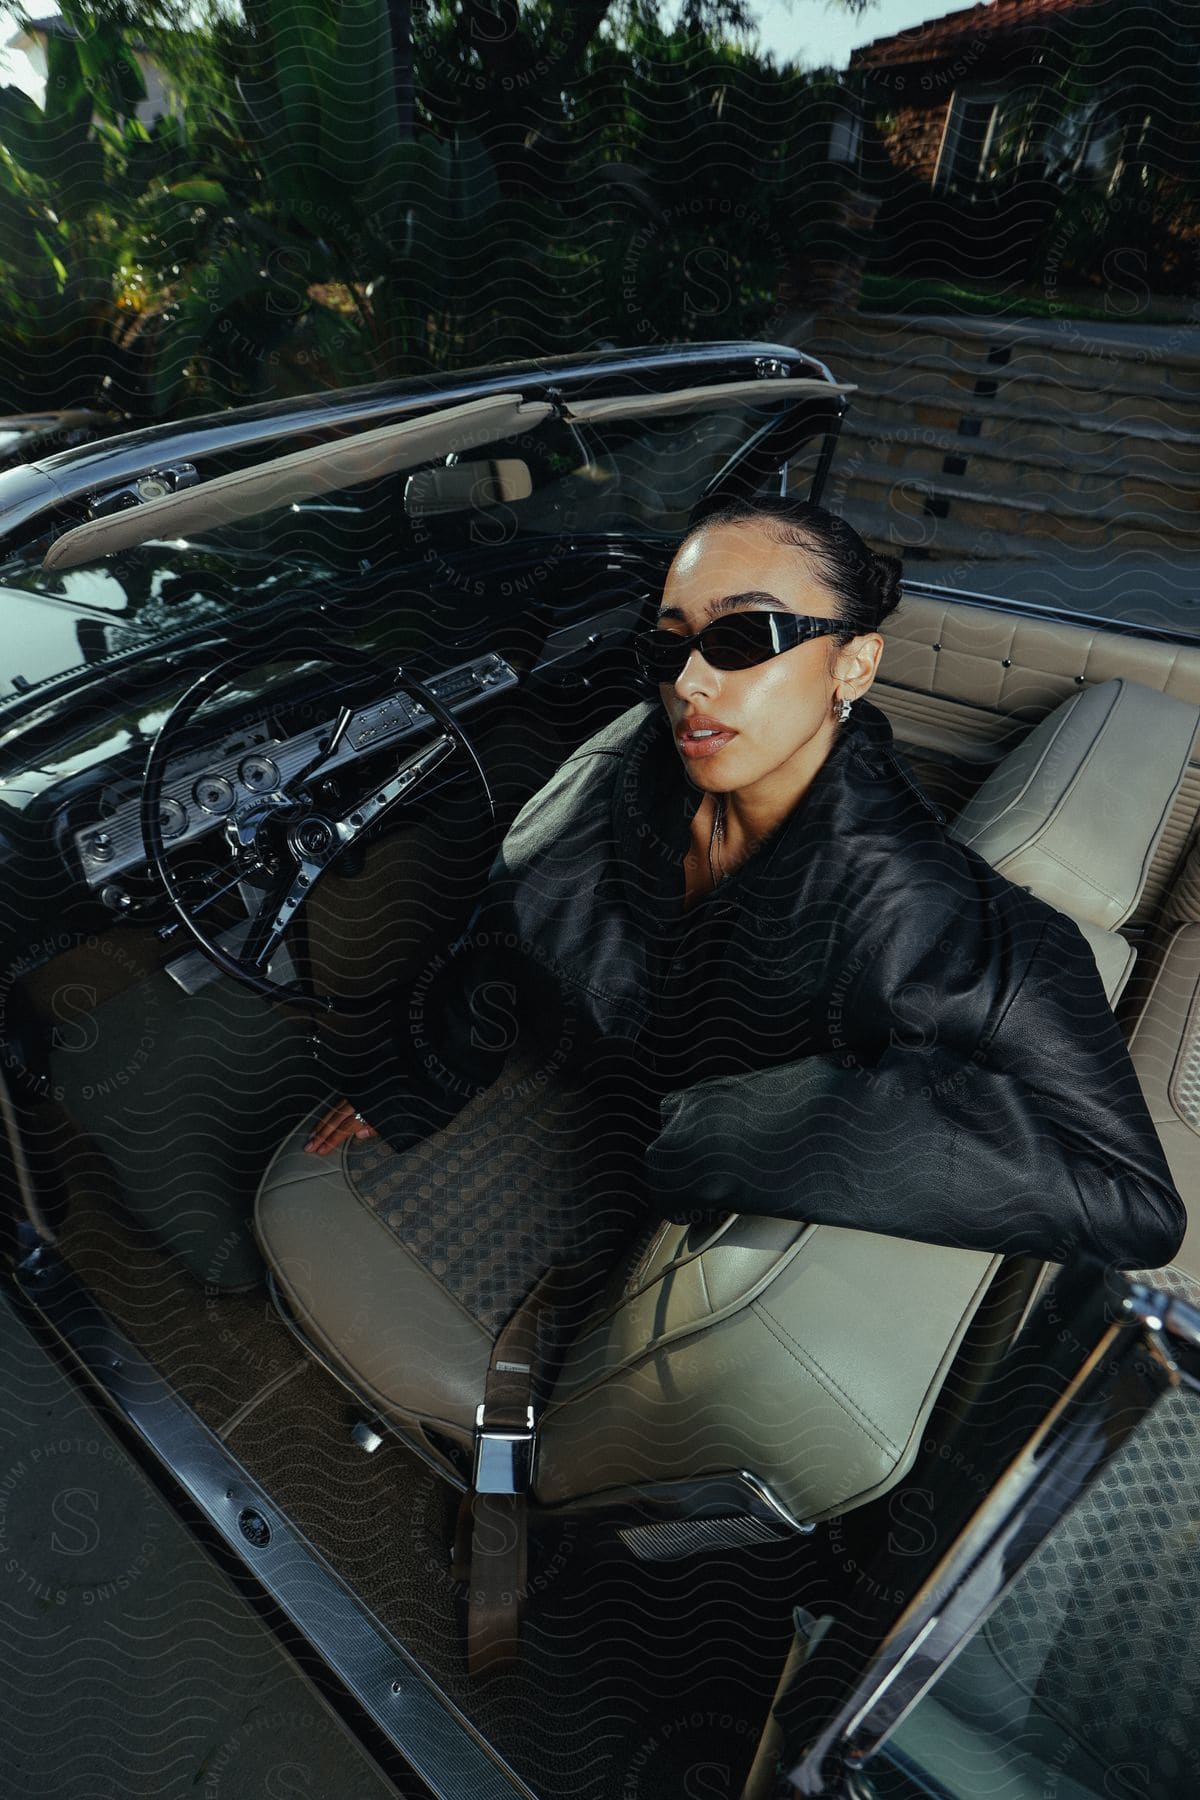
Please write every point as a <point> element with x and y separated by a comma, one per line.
<point>225,781</point>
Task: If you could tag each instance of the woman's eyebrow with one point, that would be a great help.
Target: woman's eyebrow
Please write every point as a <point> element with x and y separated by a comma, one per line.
<point>731,603</point>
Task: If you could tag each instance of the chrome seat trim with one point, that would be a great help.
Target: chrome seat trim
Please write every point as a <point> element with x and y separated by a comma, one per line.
<point>735,1494</point>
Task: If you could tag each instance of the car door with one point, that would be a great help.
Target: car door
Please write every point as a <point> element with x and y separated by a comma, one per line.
<point>1047,1560</point>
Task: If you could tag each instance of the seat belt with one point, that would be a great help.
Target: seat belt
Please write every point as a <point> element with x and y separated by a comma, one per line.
<point>491,1539</point>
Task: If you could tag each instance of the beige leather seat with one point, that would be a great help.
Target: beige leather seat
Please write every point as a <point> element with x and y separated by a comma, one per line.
<point>789,1366</point>
<point>1164,1042</point>
<point>1076,811</point>
<point>1165,1047</point>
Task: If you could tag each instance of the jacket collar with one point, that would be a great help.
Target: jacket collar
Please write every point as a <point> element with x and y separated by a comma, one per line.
<point>860,787</point>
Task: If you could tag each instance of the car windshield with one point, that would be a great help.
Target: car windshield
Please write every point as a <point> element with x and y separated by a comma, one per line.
<point>516,496</point>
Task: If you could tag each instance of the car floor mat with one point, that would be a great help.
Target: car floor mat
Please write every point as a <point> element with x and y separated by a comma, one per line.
<point>187,1096</point>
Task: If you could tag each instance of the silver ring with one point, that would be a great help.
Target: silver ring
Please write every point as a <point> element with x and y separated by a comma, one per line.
<point>360,1118</point>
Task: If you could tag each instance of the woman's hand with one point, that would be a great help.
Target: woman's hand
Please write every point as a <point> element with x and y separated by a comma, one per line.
<point>338,1125</point>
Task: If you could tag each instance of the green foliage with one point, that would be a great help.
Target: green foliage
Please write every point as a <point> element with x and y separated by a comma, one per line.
<point>731,188</point>
<point>1141,58</point>
<point>57,304</point>
<point>922,294</point>
<point>99,217</point>
<point>1130,70</point>
<point>572,175</point>
<point>346,248</point>
<point>567,176</point>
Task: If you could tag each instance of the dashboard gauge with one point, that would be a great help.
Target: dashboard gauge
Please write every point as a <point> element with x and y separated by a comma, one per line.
<point>172,818</point>
<point>213,794</point>
<point>259,774</point>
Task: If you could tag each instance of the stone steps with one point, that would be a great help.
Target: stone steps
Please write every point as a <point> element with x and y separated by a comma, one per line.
<point>910,495</point>
<point>1010,391</point>
<point>1063,482</point>
<point>1058,351</point>
<point>978,439</point>
<point>939,540</point>
<point>1088,441</point>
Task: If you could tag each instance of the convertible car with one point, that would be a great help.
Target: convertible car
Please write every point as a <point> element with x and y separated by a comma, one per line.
<point>796,1509</point>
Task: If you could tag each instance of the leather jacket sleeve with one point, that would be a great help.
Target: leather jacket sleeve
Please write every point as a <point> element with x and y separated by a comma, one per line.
<point>408,1097</point>
<point>454,1027</point>
<point>1030,1136</point>
<point>450,1030</point>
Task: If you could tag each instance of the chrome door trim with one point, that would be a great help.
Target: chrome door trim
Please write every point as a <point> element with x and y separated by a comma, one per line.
<point>424,1725</point>
<point>928,589</point>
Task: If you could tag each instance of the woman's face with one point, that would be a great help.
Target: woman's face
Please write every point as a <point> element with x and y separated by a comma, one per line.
<point>777,717</point>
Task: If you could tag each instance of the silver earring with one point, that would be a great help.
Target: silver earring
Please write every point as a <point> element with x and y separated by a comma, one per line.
<point>841,710</point>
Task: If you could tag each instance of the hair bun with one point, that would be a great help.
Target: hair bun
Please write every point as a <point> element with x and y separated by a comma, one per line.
<point>883,577</point>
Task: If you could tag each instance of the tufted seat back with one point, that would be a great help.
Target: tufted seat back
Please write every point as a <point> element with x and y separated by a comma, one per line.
<point>1076,812</point>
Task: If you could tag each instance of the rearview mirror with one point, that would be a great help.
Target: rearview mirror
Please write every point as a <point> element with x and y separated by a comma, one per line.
<point>463,485</point>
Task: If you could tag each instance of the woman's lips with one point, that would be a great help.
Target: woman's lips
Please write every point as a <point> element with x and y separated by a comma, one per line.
<point>694,748</point>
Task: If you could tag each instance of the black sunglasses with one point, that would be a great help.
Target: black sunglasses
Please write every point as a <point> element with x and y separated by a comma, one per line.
<point>739,641</point>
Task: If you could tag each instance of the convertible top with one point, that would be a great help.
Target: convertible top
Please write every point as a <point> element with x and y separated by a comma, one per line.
<point>325,467</point>
<point>298,477</point>
<point>641,406</point>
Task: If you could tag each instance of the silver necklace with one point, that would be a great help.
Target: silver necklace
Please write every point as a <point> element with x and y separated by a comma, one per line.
<point>717,836</point>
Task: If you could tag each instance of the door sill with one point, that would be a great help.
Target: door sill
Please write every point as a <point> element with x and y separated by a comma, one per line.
<point>421,1722</point>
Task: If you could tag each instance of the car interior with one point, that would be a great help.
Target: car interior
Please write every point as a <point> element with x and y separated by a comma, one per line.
<point>724,1435</point>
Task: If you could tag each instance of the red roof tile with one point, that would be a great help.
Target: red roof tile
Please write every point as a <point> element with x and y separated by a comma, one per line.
<point>937,38</point>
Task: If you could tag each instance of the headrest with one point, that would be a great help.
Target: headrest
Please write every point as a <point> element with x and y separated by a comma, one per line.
<point>1076,811</point>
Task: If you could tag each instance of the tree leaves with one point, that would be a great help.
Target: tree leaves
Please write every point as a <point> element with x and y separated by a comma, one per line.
<point>564,185</point>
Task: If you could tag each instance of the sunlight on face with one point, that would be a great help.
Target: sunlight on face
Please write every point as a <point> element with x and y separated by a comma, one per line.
<point>781,712</point>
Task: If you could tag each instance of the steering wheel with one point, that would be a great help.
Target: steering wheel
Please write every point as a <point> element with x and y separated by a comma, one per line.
<point>286,833</point>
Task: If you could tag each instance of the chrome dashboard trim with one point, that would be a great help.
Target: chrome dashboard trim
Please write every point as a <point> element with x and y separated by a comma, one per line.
<point>113,846</point>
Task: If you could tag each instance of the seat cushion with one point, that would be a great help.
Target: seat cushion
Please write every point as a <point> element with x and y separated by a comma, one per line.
<point>809,1355</point>
<point>403,1266</point>
<point>366,1301</point>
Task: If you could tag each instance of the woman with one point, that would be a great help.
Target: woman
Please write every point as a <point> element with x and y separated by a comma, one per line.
<point>814,1002</point>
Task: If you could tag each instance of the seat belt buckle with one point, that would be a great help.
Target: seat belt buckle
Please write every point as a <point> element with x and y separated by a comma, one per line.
<point>503,1455</point>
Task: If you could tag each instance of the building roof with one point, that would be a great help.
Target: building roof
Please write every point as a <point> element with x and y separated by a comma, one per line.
<point>938,39</point>
<point>53,25</point>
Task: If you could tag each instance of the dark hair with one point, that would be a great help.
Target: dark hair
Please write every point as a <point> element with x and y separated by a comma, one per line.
<point>865,585</point>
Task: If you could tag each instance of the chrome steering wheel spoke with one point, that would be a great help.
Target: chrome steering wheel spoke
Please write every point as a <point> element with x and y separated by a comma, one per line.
<point>408,777</point>
<point>274,916</point>
<point>316,841</point>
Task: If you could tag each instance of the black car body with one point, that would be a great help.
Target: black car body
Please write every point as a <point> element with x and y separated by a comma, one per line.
<point>323,580</point>
<point>31,437</point>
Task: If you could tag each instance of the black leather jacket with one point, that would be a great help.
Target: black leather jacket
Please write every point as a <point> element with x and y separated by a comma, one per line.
<point>866,1025</point>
